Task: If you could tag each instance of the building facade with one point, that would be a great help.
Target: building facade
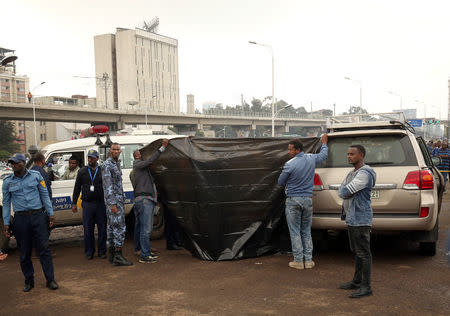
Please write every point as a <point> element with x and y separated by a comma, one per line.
<point>14,88</point>
<point>190,104</point>
<point>137,70</point>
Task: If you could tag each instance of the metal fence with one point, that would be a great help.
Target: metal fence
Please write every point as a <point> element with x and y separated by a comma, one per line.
<point>261,114</point>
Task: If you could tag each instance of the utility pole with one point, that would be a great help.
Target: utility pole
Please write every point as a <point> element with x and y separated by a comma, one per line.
<point>334,109</point>
<point>105,79</point>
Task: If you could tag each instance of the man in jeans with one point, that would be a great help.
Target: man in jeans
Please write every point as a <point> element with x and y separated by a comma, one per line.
<point>298,178</point>
<point>357,212</point>
<point>145,199</point>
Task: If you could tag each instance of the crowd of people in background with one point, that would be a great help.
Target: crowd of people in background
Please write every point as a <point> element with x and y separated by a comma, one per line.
<point>440,149</point>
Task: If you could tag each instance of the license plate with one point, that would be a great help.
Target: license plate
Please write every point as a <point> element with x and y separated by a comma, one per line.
<point>375,194</point>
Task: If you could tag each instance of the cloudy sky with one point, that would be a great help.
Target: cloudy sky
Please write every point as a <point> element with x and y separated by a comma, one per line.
<point>397,46</point>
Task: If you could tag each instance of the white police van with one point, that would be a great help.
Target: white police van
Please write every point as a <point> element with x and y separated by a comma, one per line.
<point>58,155</point>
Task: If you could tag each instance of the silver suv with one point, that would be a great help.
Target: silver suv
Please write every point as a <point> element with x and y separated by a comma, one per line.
<point>407,196</point>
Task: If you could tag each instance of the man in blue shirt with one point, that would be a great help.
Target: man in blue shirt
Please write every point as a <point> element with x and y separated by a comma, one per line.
<point>26,191</point>
<point>298,178</point>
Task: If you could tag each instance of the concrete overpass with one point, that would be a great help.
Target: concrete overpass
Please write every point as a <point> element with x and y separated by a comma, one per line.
<point>64,113</point>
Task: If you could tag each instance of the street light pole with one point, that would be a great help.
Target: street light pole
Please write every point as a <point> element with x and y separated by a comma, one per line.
<point>360,92</point>
<point>273,82</point>
<point>34,111</point>
<point>146,106</point>
<point>401,99</point>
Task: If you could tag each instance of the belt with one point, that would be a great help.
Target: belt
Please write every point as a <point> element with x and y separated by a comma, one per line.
<point>143,194</point>
<point>29,212</point>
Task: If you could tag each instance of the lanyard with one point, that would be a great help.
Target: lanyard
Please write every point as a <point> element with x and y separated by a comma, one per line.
<point>90,174</point>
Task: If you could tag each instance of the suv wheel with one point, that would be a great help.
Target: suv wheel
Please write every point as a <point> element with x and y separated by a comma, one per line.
<point>428,248</point>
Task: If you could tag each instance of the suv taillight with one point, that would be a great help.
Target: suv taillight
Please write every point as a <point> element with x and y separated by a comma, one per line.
<point>421,180</point>
<point>318,185</point>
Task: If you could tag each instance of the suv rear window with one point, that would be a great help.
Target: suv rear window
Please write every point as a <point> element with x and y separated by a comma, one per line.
<point>381,150</point>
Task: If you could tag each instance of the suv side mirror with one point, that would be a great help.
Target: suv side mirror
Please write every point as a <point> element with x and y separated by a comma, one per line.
<point>436,160</point>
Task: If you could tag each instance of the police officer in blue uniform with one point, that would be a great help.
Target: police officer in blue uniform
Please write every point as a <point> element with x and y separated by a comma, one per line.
<point>114,200</point>
<point>27,192</point>
<point>89,183</point>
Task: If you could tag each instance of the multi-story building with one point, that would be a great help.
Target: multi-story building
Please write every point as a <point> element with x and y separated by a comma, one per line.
<point>138,70</point>
<point>190,104</point>
<point>13,88</point>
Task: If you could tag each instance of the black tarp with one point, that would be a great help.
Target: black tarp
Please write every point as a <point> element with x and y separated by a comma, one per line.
<point>224,192</point>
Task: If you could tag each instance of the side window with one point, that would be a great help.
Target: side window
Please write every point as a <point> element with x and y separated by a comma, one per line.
<point>58,163</point>
<point>424,150</point>
<point>126,156</point>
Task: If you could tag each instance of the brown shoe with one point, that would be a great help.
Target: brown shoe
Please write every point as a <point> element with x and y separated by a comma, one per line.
<point>296,265</point>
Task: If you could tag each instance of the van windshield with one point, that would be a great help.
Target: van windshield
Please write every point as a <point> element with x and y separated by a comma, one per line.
<point>381,150</point>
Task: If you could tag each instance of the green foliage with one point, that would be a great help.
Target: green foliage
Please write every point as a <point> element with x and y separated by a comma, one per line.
<point>256,105</point>
<point>199,133</point>
<point>355,110</point>
<point>7,137</point>
<point>4,155</point>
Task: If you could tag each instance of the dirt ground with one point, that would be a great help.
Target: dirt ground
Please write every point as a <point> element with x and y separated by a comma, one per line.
<point>404,282</point>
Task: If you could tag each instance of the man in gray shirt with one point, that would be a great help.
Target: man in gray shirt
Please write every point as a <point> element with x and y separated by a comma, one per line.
<point>145,199</point>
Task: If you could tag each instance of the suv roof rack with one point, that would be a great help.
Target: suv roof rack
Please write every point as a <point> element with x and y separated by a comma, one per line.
<point>368,121</point>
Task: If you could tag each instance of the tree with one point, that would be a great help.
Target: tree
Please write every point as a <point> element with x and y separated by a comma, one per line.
<point>355,110</point>
<point>256,105</point>
<point>301,110</point>
<point>199,133</point>
<point>8,136</point>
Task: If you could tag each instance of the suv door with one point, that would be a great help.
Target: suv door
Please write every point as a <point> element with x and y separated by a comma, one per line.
<point>438,178</point>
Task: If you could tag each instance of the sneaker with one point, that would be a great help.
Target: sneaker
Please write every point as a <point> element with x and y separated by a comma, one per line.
<point>147,260</point>
<point>153,255</point>
<point>309,264</point>
<point>296,265</point>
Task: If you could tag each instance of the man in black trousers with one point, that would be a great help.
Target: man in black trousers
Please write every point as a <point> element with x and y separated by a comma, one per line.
<point>89,183</point>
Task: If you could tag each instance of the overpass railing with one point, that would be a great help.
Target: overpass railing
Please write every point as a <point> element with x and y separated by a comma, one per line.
<point>262,114</point>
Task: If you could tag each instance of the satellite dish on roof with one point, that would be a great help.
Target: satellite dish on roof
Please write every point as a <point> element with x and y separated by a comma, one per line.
<point>152,26</point>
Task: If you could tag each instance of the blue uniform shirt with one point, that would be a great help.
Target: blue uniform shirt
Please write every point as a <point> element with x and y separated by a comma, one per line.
<point>298,173</point>
<point>26,193</point>
<point>46,177</point>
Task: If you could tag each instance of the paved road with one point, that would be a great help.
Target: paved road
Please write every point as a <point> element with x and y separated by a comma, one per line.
<point>404,283</point>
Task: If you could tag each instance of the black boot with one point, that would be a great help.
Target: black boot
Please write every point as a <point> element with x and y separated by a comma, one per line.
<point>28,286</point>
<point>351,285</point>
<point>364,290</point>
<point>119,259</point>
<point>111,252</point>
<point>366,271</point>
